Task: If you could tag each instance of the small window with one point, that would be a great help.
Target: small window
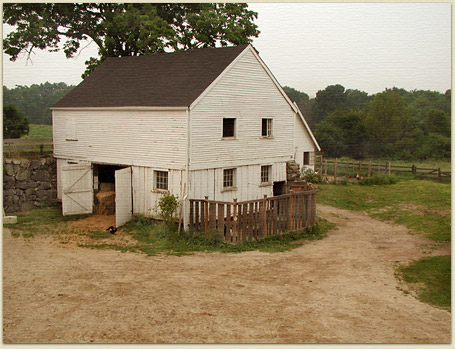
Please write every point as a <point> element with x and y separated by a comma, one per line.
<point>306,158</point>
<point>229,178</point>
<point>228,127</point>
<point>265,174</point>
<point>266,127</point>
<point>161,180</point>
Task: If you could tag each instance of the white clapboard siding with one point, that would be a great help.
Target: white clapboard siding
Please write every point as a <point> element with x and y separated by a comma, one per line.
<point>126,137</point>
<point>209,182</point>
<point>303,143</point>
<point>245,92</point>
<point>145,197</point>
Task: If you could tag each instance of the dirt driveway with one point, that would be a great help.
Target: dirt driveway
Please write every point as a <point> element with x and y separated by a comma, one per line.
<point>340,289</point>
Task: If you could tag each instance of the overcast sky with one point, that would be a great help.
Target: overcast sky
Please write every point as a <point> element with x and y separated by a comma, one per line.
<point>308,46</point>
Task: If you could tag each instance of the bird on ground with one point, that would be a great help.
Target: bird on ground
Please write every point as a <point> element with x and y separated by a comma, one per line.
<point>111,229</point>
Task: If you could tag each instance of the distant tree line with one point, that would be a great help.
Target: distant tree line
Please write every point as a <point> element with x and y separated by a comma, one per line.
<point>35,101</point>
<point>394,124</point>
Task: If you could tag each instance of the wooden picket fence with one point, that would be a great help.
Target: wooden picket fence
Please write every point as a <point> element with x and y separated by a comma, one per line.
<point>250,220</point>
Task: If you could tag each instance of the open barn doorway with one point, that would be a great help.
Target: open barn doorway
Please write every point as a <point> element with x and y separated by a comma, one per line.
<point>104,188</point>
<point>113,192</point>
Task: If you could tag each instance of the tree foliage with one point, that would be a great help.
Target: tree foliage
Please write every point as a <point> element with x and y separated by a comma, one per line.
<point>35,100</point>
<point>129,29</point>
<point>394,123</point>
<point>15,123</point>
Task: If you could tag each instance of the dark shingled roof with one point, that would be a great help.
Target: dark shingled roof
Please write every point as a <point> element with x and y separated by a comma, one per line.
<point>161,80</point>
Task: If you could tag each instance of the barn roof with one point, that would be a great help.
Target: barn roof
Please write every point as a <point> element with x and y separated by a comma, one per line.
<point>161,80</point>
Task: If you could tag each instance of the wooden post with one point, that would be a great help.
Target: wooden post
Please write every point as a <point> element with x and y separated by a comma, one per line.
<point>439,174</point>
<point>206,213</point>
<point>390,166</point>
<point>379,168</point>
<point>353,170</point>
<point>228,223</point>
<point>221,222</point>
<point>369,169</point>
<point>326,167</point>
<point>235,222</point>
<point>360,169</point>
<point>413,170</point>
<point>291,215</point>
<point>335,169</point>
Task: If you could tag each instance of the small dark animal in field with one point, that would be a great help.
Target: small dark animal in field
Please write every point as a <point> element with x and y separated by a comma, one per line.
<point>111,229</point>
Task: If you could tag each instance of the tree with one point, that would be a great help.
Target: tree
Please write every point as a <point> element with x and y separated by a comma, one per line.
<point>327,101</point>
<point>125,29</point>
<point>35,100</point>
<point>15,123</point>
<point>301,98</point>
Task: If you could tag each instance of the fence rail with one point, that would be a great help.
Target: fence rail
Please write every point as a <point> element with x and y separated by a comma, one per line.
<point>351,169</point>
<point>250,220</point>
<point>43,145</point>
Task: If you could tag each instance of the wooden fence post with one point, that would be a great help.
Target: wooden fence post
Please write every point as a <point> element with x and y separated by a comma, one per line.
<point>326,167</point>
<point>291,212</point>
<point>335,169</point>
<point>206,213</point>
<point>439,174</point>
<point>390,166</point>
<point>369,168</point>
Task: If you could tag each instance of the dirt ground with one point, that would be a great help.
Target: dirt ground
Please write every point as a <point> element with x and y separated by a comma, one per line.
<point>340,289</point>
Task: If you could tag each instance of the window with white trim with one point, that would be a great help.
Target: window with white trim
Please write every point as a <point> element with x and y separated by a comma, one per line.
<point>267,127</point>
<point>229,180</point>
<point>228,127</point>
<point>161,180</point>
<point>266,172</point>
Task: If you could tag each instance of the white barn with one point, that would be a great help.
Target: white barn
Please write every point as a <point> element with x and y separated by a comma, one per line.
<point>209,122</point>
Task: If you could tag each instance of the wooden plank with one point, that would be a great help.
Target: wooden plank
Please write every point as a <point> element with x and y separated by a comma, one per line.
<point>221,226</point>
<point>27,140</point>
<point>235,222</point>
<point>274,217</point>
<point>212,216</point>
<point>228,224</point>
<point>191,215</point>
<point>206,214</point>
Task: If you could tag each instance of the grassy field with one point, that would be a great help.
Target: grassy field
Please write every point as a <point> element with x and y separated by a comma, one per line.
<point>424,207</point>
<point>152,237</point>
<point>39,131</point>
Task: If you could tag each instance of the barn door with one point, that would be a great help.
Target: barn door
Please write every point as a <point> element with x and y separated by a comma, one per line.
<point>77,189</point>
<point>123,196</point>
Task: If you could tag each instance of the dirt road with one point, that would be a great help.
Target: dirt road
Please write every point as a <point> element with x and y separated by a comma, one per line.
<point>340,289</point>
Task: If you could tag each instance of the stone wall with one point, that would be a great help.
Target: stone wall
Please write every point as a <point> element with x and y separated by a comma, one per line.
<point>28,184</point>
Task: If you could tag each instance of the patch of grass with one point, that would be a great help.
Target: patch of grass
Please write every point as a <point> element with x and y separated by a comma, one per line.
<point>431,279</point>
<point>154,238</point>
<point>39,131</point>
<point>44,220</point>
<point>423,206</point>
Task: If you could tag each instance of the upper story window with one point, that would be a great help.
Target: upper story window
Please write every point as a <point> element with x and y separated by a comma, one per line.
<point>266,172</point>
<point>161,180</point>
<point>267,127</point>
<point>228,127</point>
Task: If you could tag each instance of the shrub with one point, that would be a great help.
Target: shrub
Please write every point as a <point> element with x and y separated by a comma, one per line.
<point>168,205</point>
<point>310,176</point>
<point>378,180</point>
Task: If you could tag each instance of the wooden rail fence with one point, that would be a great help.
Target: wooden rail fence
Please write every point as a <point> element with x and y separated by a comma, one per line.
<point>351,169</point>
<point>18,145</point>
<point>250,220</point>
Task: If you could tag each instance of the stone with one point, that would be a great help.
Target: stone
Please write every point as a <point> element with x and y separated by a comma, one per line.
<point>36,164</point>
<point>27,206</point>
<point>8,161</point>
<point>25,163</point>
<point>16,162</point>
<point>9,169</point>
<point>41,175</point>
<point>8,182</point>
<point>44,186</point>
<point>23,175</point>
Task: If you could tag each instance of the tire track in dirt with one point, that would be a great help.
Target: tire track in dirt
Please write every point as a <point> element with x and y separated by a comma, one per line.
<point>340,289</point>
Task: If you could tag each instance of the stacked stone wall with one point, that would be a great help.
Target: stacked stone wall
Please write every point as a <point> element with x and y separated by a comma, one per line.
<point>29,184</point>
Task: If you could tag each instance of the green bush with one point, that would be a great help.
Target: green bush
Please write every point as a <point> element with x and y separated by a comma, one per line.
<point>310,176</point>
<point>168,205</point>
